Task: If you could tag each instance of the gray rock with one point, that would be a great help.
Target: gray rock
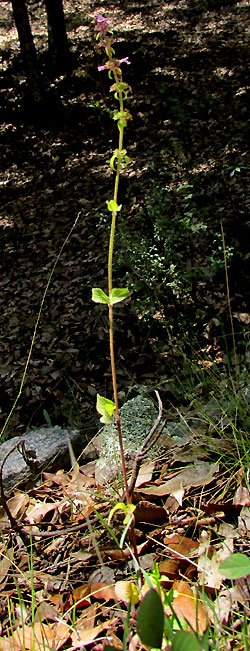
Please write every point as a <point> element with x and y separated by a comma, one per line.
<point>43,447</point>
<point>137,418</point>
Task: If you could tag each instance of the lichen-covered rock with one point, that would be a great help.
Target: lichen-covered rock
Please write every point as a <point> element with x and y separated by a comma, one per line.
<point>137,418</point>
<point>43,447</point>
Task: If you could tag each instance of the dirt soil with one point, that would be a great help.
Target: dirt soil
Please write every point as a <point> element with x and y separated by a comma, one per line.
<point>189,75</point>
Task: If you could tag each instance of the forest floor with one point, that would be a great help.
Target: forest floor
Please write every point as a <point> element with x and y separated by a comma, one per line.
<point>188,144</point>
<point>189,149</point>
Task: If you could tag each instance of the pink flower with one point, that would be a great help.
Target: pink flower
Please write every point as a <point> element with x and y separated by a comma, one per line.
<point>114,64</point>
<point>125,60</point>
<point>101,24</point>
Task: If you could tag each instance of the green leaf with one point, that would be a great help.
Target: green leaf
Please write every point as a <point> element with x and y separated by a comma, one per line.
<point>118,295</point>
<point>113,206</point>
<point>106,408</point>
<point>110,648</point>
<point>112,161</point>
<point>98,296</point>
<point>47,418</point>
<point>150,620</point>
<point>128,509</point>
<point>185,641</point>
<point>235,566</point>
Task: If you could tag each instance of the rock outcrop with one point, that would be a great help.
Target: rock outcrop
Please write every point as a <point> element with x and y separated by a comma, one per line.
<point>36,450</point>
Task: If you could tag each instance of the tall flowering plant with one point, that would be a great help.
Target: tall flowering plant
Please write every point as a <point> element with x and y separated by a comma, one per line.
<point>119,160</point>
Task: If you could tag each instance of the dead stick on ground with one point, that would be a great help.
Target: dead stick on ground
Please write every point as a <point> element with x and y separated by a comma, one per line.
<point>147,444</point>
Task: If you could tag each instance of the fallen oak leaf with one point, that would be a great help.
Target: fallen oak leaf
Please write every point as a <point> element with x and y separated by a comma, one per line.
<point>198,475</point>
<point>103,591</point>
<point>182,544</point>
<point>147,512</point>
<point>81,596</point>
<point>36,513</point>
<point>145,473</point>
<point>86,636</point>
<point>187,607</point>
<point>169,567</point>
<point>45,611</point>
<point>241,496</point>
<point>87,619</point>
<point>5,564</point>
<point>60,477</point>
<point>18,503</point>
<point>37,637</point>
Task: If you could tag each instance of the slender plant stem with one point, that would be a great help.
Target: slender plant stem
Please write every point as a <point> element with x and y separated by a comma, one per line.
<point>111,331</point>
<point>118,155</point>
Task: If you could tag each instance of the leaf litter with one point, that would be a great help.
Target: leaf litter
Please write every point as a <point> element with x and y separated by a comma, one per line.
<point>68,575</point>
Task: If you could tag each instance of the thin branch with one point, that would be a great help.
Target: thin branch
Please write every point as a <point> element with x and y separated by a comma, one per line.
<point>150,440</point>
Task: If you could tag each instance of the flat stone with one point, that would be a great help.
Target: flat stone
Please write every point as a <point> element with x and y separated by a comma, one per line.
<point>43,447</point>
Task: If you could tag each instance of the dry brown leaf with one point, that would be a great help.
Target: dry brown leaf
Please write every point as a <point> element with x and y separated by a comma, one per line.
<point>87,474</point>
<point>116,554</point>
<point>60,477</point>
<point>178,496</point>
<point>241,496</point>
<point>242,316</point>
<point>209,572</point>
<point>36,513</point>
<point>81,556</point>
<point>198,475</point>
<point>113,640</point>
<point>147,512</point>
<point>81,596</point>
<point>76,494</point>
<point>45,611</point>
<point>57,598</point>
<point>61,633</point>
<point>182,545</point>
<point>169,567</point>
<point>5,563</point>
<point>35,638</point>
<point>17,504</point>
<point>5,644</point>
<point>134,643</point>
<point>85,636</point>
<point>88,469</point>
<point>222,606</point>
<point>87,620</point>
<point>145,473</point>
<point>187,607</point>
<point>171,505</point>
<point>244,521</point>
<point>103,591</point>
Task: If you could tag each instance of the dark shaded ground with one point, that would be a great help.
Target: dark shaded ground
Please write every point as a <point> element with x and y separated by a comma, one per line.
<point>190,78</point>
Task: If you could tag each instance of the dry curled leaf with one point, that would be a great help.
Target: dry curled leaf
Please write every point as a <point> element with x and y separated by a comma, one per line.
<point>187,607</point>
